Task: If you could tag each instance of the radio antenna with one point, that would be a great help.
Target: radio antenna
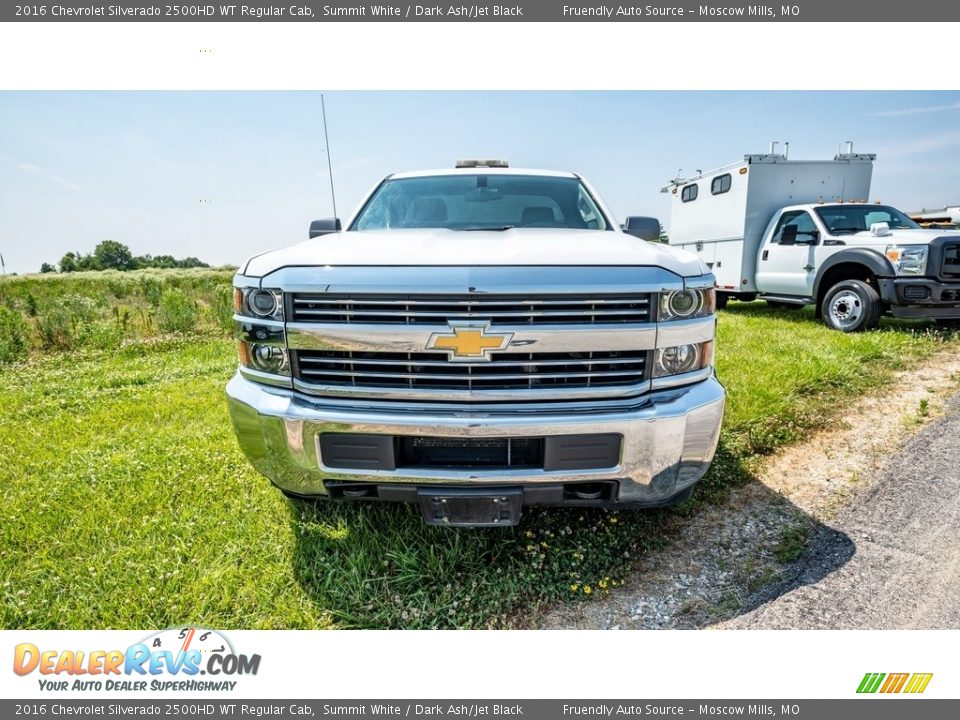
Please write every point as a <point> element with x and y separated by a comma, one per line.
<point>326,140</point>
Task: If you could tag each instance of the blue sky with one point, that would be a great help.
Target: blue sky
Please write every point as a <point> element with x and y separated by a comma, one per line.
<point>80,167</point>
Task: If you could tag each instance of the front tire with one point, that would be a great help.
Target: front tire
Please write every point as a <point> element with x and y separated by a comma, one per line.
<point>851,306</point>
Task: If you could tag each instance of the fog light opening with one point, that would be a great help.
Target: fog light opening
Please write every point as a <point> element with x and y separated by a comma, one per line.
<point>589,491</point>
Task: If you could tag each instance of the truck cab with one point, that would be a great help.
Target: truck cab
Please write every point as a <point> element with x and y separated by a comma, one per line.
<point>796,233</point>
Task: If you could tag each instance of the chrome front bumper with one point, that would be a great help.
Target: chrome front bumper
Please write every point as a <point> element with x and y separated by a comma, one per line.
<point>669,438</point>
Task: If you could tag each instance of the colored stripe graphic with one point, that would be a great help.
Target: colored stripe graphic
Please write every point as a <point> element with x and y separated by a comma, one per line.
<point>870,682</point>
<point>918,683</point>
<point>894,683</point>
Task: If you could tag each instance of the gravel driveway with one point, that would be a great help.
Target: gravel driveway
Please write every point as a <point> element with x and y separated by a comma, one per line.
<point>904,571</point>
<point>876,495</point>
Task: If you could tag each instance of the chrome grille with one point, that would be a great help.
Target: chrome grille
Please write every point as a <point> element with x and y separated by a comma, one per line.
<point>433,371</point>
<point>584,309</point>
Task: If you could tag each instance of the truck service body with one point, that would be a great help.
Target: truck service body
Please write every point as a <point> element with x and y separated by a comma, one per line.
<point>803,232</point>
<point>476,340</point>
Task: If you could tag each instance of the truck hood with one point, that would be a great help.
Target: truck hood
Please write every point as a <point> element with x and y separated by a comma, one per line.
<point>519,246</point>
<point>899,236</point>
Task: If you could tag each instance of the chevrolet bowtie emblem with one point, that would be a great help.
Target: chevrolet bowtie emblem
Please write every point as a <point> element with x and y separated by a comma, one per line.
<point>469,342</point>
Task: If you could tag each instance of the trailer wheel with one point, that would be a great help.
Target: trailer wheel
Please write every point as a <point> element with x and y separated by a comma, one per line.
<point>722,300</point>
<point>851,306</point>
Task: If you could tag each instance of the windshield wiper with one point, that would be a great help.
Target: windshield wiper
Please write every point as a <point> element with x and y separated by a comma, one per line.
<point>495,228</point>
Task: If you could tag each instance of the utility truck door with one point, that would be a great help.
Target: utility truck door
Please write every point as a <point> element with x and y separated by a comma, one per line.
<point>786,263</point>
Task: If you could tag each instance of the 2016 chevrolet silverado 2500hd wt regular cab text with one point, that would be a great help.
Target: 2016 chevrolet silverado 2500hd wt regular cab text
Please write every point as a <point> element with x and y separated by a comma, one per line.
<point>802,232</point>
<point>478,339</point>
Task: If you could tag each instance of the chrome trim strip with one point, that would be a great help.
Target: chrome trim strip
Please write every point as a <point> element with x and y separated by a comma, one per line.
<point>414,338</point>
<point>453,394</point>
<point>683,332</point>
<point>459,280</point>
<point>541,408</point>
<point>265,378</point>
<point>252,320</point>
<point>689,378</point>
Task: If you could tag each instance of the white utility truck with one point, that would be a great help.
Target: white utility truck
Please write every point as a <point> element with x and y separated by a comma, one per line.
<point>799,232</point>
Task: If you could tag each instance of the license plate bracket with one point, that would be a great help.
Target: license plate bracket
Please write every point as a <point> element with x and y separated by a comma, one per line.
<point>470,507</point>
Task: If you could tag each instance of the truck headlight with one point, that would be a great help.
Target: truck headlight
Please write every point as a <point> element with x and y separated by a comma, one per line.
<point>270,359</point>
<point>908,259</point>
<point>687,303</point>
<point>265,303</point>
<point>681,359</point>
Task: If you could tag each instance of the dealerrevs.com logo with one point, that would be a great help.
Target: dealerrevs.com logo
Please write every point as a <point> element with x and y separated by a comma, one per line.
<point>173,659</point>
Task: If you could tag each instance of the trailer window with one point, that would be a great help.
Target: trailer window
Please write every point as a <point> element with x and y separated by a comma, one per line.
<point>689,193</point>
<point>720,184</point>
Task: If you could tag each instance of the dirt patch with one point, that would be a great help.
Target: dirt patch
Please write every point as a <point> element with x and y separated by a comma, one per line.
<point>724,554</point>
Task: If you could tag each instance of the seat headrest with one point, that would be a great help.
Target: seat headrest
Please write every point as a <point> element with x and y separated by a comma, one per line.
<point>536,215</point>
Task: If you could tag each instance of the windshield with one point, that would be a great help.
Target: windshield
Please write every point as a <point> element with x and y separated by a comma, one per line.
<point>841,219</point>
<point>481,202</point>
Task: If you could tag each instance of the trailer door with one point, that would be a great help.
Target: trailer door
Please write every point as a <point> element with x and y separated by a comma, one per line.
<point>789,269</point>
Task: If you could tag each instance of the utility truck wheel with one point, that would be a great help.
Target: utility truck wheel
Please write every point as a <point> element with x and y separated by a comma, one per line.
<point>722,300</point>
<point>777,305</point>
<point>851,306</point>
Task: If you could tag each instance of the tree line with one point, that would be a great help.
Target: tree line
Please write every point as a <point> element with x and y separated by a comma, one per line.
<point>113,255</point>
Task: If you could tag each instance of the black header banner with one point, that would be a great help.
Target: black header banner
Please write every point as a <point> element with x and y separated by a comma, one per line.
<point>853,11</point>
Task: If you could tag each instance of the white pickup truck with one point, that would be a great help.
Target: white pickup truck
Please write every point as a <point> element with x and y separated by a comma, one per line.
<point>802,232</point>
<point>476,340</point>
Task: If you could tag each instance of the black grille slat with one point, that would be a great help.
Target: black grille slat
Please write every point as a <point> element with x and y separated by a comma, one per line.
<point>498,309</point>
<point>484,301</point>
<point>950,268</point>
<point>433,370</point>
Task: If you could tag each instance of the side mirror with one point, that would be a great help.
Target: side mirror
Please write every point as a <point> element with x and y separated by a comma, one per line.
<point>645,228</point>
<point>324,227</point>
<point>788,235</point>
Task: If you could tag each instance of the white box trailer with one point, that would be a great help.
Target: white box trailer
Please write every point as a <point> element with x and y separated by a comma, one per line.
<point>722,215</point>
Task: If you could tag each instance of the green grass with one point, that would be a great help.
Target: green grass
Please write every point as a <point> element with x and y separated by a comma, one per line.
<point>792,543</point>
<point>102,310</point>
<point>125,503</point>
